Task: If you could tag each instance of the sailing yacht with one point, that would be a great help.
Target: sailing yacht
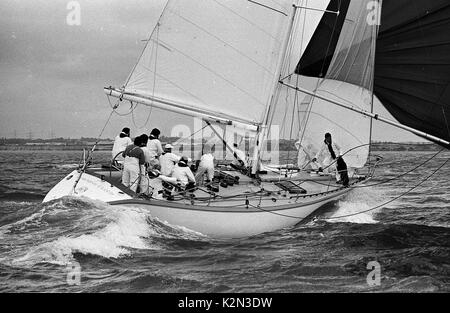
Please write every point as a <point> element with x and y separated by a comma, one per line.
<point>246,65</point>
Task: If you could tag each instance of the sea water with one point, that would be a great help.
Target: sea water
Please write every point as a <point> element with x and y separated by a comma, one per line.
<point>73,244</point>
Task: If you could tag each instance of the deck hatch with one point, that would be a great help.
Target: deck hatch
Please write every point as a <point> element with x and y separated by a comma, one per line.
<point>290,187</point>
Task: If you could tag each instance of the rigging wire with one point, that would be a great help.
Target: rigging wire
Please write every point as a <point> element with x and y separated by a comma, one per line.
<point>386,180</point>
<point>145,47</point>
<point>191,135</point>
<point>91,153</point>
<point>371,209</point>
<point>395,198</point>
<point>154,77</point>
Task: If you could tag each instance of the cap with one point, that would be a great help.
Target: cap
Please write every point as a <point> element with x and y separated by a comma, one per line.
<point>168,146</point>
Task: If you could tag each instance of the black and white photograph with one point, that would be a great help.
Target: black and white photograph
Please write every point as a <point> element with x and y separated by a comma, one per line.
<point>225,151</point>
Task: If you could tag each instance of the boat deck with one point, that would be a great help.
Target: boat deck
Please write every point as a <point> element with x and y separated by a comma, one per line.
<point>234,189</point>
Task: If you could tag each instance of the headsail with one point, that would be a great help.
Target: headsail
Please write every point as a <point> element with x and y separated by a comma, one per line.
<point>339,57</point>
<point>211,56</point>
<point>412,60</point>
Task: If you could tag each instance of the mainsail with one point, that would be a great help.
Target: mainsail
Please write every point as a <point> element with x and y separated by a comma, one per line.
<point>412,60</point>
<point>215,57</point>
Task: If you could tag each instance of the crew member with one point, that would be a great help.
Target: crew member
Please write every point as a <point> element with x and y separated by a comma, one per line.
<point>206,165</point>
<point>156,180</point>
<point>168,160</point>
<point>154,147</point>
<point>332,159</point>
<point>134,158</point>
<point>143,185</point>
<point>183,173</point>
<point>121,142</point>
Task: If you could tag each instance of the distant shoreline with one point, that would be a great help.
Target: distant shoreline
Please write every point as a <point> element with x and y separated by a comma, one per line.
<point>384,146</point>
<point>49,148</point>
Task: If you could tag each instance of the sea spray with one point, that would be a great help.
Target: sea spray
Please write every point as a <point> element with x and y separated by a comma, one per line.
<point>352,208</point>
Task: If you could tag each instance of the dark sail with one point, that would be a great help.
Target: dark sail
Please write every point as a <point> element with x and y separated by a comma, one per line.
<point>412,63</point>
<point>317,57</point>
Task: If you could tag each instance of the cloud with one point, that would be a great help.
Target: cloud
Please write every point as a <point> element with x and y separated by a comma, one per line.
<point>53,74</point>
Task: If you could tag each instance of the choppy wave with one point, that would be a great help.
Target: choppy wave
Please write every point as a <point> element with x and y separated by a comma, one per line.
<point>21,196</point>
<point>66,166</point>
<point>92,227</point>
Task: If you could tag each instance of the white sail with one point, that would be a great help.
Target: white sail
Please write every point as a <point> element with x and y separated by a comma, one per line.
<point>350,130</point>
<point>214,56</point>
<point>348,80</point>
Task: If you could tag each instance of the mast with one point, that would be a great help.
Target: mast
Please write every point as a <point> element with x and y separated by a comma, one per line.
<point>263,127</point>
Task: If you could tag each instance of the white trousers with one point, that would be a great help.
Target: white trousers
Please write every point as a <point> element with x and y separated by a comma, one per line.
<point>143,186</point>
<point>130,174</point>
<point>201,171</point>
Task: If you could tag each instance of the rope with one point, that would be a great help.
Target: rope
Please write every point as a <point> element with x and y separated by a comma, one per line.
<point>85,165</point>
<point>371,209</point>
<point>390,179</point>
<point>394,199</point>
<point>187,137</point>
<point>114,107</point>
<point>154,47</point>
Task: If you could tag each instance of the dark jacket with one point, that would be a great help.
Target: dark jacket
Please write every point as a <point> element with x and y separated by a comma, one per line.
<point>135,152</point>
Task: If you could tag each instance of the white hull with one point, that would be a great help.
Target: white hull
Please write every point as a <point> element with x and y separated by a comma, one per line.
<point>222,219</point>
<point>228,224</point>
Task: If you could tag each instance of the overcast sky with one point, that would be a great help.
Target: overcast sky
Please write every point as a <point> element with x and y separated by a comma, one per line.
<point>52,74</point>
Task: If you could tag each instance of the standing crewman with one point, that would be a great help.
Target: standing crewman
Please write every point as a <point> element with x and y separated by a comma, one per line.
<point>134,159</point>
<point>121,142</point>
<point>154,148</point>
<point>205,166</point>
<point>330,152</point>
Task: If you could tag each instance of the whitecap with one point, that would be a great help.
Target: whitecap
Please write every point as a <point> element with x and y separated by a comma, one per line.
<point>357,207</point>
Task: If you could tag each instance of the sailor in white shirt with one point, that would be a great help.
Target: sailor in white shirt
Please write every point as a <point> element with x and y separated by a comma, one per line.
<point>121,142</point>
<point>183,173</point>
<point>154,148</point>
<point>206,165</point>
<point>168,160</point>
<point>327,155</point>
